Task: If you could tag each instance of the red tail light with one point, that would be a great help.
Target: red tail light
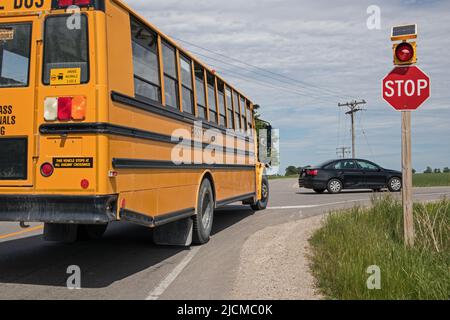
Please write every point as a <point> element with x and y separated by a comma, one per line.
<point>312,172</point>
<point>64,108</point>
<point>47,170</point>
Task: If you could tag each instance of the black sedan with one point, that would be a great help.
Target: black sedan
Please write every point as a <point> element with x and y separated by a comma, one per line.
<point>337,175</point>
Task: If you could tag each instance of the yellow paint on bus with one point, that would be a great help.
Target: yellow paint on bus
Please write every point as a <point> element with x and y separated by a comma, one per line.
<point>93,105</point>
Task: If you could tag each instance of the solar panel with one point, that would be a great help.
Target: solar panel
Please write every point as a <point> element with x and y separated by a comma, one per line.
<point>408,30</point>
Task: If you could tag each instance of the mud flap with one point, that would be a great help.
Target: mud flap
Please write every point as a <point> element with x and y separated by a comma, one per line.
<point>60,232</point>
<point>177,233</point>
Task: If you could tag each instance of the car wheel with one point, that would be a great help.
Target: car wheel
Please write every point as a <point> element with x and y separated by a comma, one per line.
<point>203,220</point>
<point>334,186</point>
<point>395,184</point>
<point>262,204</point>
<point>319,191</point>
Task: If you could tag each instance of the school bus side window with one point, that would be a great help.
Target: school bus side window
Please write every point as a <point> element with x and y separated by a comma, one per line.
<point>200,88</point>
<point>249,117</point>
<point>212,98</point>
<point>244,113</point>
<point>65,48</point>
<point>222,111</point>
<point>170,75</point>
<point>145,61</point>
<point>237,111</point>
<point>230,109</point>
<point>186,85</point>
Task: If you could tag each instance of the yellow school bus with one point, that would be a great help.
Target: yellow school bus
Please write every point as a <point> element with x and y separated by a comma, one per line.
<point>105,118</point>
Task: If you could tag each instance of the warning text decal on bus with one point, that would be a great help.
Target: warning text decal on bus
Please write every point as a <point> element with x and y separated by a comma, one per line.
<point>65,76</point>
<point>72,163</point>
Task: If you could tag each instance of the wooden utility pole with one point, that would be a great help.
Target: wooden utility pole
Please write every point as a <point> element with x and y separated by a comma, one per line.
<point>354,108</point>
<point>407,196</point>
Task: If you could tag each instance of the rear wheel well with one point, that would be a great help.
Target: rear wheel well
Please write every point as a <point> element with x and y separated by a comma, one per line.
<point>209,176</point>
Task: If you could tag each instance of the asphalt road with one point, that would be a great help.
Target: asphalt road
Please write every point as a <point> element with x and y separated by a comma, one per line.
<point>126,265</point>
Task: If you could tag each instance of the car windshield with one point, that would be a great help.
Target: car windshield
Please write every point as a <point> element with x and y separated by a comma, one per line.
<point>15,43</point>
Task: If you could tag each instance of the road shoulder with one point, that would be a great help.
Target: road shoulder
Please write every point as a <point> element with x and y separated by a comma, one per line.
<point>274,263</point>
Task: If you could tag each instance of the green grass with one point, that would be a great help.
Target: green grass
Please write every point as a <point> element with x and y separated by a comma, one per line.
<point>431,180</point>
<point>283,177</point>
<point>351,241</point>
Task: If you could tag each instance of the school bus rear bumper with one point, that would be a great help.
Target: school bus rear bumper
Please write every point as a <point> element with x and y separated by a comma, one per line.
<point>59,209</point>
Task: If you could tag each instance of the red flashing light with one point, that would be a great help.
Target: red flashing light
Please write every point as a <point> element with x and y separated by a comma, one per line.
<point>82,2</point>
<point>65,3</point>
<point>404,52</point>
<point>47,170</point>
<point>64,108</point>
<point>68,3</point>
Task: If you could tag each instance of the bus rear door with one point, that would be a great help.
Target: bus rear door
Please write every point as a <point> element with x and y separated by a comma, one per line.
<point>18,70</point>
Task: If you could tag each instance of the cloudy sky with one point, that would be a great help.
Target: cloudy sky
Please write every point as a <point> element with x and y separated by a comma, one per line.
<point>311,55</point>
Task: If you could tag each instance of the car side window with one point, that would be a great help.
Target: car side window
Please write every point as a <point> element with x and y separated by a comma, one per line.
<point>367,165</point>
<point>332,165</point>
<point>345,165</point>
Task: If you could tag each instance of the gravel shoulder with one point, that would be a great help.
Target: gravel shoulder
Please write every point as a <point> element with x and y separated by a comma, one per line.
<point>274,263</point>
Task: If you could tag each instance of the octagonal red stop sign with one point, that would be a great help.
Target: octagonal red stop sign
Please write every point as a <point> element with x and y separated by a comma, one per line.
<point>406,88</point>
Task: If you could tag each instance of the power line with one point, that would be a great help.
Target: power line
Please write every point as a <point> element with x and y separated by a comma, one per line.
<point>303,83</point>
<point>265,84</point>
<point>365,136</point>
<point>229,64</point>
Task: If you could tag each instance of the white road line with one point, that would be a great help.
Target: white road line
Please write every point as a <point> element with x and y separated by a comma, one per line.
<point>171,277</point>
<point>316,205</point>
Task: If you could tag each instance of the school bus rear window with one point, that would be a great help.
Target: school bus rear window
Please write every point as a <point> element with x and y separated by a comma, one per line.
<point>15,41</point>
<point>66,47</point>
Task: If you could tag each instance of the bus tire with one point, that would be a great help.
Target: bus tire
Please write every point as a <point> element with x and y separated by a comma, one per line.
<point>91,231</point>
<point>262,204</point>
<point>203,220</point>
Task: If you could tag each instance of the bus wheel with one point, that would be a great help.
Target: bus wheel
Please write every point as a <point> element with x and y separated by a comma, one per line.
<point>91,232</point>
<point>203,220</point>
<point>262,204</point>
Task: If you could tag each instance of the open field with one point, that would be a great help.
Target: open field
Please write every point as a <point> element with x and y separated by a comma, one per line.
<point>431,180</point>
<point>353,240</point>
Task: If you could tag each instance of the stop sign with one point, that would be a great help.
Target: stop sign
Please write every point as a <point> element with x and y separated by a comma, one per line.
<point>406,88</point>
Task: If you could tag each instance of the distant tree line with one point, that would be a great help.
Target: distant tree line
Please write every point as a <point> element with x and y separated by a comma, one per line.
<point>293,171</point>
<point>430,170</point>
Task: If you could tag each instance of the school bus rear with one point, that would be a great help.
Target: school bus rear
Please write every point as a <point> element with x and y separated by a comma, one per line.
<point>52,72</point>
